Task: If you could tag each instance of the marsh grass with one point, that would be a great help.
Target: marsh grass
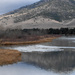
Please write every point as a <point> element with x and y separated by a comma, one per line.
<point>9,56</point>
<point>12,56</point>
<point>40,39</point>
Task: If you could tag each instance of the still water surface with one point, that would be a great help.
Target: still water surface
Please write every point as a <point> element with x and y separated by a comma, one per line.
<point>55,58</point>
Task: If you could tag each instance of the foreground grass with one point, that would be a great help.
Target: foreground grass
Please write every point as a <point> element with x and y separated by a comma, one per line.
<point>40,40</point>
<point>9,56</point>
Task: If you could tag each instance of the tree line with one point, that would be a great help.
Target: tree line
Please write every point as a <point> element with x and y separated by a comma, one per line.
<point>25,32</point>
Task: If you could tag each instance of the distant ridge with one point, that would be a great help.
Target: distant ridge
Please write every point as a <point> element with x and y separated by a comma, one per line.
<point>43,14</point>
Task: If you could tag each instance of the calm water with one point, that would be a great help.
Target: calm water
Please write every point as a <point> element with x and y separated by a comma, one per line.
<point>27,69</point>
<point>52,58</point>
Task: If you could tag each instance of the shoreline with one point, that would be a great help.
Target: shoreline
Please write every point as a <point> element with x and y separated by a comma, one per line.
<point>8,56</point>
<point>40,40</point>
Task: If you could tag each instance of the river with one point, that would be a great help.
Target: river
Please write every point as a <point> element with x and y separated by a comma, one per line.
<point>51,58</point>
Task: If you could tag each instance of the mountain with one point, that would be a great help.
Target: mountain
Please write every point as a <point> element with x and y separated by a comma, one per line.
<point>43,14</point>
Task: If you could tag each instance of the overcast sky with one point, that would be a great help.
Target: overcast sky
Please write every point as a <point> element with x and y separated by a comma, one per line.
<point>9,5</point>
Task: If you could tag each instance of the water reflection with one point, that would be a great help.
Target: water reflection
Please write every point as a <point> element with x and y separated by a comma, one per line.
<point>55,58</point>
<point>27,69</point>
<point>23,69</point>
<point>62,61</point>
<point>62,41</point>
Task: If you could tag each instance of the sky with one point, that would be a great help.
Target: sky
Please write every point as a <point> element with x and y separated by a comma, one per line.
<point>10,5</point>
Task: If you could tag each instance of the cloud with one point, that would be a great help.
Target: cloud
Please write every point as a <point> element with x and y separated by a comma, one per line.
<point>9,5</point>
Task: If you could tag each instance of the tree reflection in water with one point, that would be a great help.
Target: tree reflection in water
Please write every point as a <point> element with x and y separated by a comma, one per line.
<point>60,61</point>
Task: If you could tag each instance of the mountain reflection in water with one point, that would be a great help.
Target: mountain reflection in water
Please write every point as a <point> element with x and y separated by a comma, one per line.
<point>60,61</point>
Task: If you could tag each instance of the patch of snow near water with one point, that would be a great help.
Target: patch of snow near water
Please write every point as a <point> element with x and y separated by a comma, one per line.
<point>40,48</point>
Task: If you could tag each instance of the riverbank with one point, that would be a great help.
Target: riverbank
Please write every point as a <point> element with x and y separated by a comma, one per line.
<point>31,40</point>
<point>12,56</point>
<point>9,56</point>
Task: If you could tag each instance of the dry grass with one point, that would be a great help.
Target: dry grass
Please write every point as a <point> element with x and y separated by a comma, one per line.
<point>41,40</point>
<point>9,56</point>
<point>13,56</point>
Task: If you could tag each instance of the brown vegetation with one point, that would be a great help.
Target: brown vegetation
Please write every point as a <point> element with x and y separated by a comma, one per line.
<point>9,56</point>
<point>31,40</point>
<point>13,56</point>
